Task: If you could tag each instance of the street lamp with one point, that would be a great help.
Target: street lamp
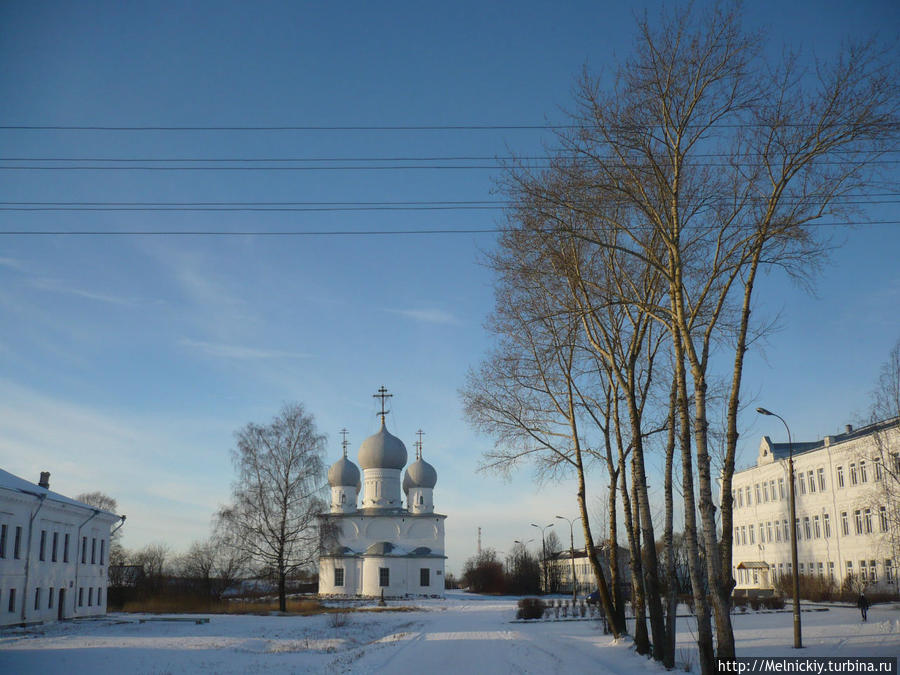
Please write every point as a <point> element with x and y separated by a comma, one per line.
<point>571,522</point>
<point>543,553</point>
<point>798,640</point>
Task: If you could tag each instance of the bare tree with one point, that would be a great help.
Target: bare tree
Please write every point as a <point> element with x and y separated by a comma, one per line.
<point>278,494</point>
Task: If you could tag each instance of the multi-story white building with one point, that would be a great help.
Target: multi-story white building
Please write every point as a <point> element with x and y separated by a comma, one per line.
<point>53,553</point>
<point>843,519</point>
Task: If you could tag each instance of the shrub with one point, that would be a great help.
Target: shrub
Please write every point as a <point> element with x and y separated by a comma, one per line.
<point>530,608</point>
<point>337,619</point>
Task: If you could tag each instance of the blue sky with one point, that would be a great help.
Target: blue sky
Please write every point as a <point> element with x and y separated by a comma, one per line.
<point>126,363</point>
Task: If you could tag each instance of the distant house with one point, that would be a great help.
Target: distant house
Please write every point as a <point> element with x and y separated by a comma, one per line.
<point>559,570</point>
<point>53,553</point>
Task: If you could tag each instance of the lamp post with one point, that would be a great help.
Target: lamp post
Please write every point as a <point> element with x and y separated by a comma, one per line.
<point>798,639</point>
<point>571,522</point>
<point>543,553</point>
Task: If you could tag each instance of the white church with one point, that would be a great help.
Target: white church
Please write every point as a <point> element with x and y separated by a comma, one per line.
<point>373,544</point>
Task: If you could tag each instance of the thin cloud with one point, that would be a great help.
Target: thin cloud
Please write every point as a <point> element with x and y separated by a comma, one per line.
<point>427,315</point>
<point>56,286</point>
<point>12,264</point>
<point>240,352</point>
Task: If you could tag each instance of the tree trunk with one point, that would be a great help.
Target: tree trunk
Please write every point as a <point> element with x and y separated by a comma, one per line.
<point>669,538</point>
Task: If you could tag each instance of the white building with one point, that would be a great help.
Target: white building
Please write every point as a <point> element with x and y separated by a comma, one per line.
<point>379,547</point>
<point>53,553</point>
<point>843,521</point>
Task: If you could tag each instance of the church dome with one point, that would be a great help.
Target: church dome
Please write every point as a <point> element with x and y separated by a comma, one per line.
<point>419,474</point>
<point>343,473</point>
<point>382,451</point>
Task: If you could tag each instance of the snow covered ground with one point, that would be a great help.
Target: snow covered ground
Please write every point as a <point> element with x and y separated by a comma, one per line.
<point>462,634</point>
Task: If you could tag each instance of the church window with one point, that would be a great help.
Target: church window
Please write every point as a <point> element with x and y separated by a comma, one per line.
<point>338,576</point>
<point>425,577</point>
<point>384,577</point>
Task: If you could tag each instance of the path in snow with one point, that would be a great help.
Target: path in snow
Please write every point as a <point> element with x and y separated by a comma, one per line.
<point>462,634</point>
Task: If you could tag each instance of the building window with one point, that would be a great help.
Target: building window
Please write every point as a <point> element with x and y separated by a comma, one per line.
<point>882,517</point>
<point>81,597</point>
<point>862,471</point>
<point>812,483</point>
<point>424,577</point>
<point>817,531</point>
<point>849,569</point>
<point>784,527</point>
<point>873,574</point>
<point>801,483</point>
<point>800,568</point>
<point>867,520</point>
<point>879,470</point>
<point>895,457</point>
<point>3,540</point>
<point>54,546</point>
<point>777,532</point>
<point>781,488</point>
<point>769,532</point>
<point>744,535</point>
<point>756,489</point>
<point>102,550</point>
<point>11,606</point>
<point>827,522</point>
<point>853,476</point>
<point>99,596</point>
<point>91,596</point>
<point>752,541</point>
<point>50,599</point>
<point>797,527</point>
<point>840,476</point>
<point>737,535</point>
<point>83,550</point>
<point>66,548</point>
<point>43,547</point>
<point>821,474</point>
<point>821,568</point>
<point>37,598</point>
<point>806,530</point>
<point>747,491</point>
<point>889,571</point>
<point>740,497</point>
<point>859,524</point>
<point>831,570</point>
<point>765,492</point>
<point>845,524</point>
<point>93,550</point>
<point>772,489</point>
<point>384,577</point>
<point>338,576</point>
<point>863,570</point>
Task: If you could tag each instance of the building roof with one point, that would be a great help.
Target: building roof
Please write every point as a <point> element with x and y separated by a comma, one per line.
<point>14,483</point>
<point>382,450</point>
<point>753,565</point>
<point>343,473</point>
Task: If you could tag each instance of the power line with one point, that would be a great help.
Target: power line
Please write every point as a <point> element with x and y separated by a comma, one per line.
<point>357,127</point>
<point>363,167</point>
<point>318,233</point>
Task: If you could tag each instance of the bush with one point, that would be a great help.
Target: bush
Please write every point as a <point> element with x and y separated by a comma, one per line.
<point>773,602</point>
<point>530,608</point>
<point>337,619</point>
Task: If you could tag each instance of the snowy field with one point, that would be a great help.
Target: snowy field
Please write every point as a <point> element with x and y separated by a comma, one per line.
<point>462,634</point>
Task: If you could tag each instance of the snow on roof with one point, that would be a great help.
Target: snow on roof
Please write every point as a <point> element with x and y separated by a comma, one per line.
<point>12,482</point>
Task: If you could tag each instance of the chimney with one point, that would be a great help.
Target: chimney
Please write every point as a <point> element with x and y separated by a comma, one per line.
<point>849,428</point>
<point>44,482</point>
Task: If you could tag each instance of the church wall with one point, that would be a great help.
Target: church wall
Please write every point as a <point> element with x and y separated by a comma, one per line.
<point>381,489</point>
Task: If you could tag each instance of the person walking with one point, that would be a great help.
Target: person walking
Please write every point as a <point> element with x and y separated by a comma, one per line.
<point>863,604</point>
